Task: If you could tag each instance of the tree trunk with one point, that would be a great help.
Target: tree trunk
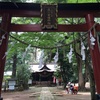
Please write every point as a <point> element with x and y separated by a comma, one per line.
<point>81,81</point>
<point>92,83</point>
<point>14,66</point>
<point>91,76</point>
<point>77,48</point>
<point>64,76</point>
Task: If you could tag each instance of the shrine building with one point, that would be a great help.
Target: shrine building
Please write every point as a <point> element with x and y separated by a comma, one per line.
<point>44,75</point>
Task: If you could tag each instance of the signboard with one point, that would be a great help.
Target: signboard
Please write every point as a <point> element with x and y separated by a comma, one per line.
<point>49,16</point>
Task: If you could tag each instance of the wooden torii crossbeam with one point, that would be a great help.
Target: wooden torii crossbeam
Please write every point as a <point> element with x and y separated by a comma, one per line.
<point>88,11</point>
<point>64,11</point>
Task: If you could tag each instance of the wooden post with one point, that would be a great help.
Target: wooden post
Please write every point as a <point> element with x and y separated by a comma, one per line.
<point>4,31</point>
<point>95,53</point>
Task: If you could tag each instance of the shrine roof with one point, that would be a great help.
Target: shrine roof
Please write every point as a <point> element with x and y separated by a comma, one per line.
<point>49,67</point>
<point>45,68</point>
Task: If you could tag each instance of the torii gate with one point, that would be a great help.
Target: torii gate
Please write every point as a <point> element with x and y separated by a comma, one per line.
<point>87,10</point>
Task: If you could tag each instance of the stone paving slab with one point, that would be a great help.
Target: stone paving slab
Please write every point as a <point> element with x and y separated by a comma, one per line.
<point>46,94</point>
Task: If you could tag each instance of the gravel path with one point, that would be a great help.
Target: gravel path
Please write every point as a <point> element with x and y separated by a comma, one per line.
<point>42,93</point>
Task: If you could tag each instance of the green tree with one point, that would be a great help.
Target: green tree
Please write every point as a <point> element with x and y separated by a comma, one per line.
<point>23,75</point>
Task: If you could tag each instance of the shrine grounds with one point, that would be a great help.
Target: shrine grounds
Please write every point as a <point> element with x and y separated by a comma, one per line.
<point>34,93</point>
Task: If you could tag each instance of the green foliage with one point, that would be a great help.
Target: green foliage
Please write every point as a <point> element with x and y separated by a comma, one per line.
<point>23,75</point>
<point>65,67</point>
<point>81,1</point>
<point>6,77</point>
<point>8,65</point>
<point>57,74</point>
<point>25,20</point>
<point>13,0</point>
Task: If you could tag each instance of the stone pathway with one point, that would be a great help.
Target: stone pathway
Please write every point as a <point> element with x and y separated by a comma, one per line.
<point>46,94</point>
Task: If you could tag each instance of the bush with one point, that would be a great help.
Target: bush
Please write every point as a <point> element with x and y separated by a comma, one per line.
<point>23,75</point>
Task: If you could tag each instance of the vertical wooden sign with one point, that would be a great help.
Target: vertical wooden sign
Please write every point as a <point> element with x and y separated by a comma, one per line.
<point>49,16</point>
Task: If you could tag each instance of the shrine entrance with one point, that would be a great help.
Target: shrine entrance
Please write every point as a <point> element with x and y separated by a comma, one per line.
<point>89,11</point>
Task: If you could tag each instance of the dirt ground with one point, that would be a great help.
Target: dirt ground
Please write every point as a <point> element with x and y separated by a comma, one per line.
<point>34,94</point>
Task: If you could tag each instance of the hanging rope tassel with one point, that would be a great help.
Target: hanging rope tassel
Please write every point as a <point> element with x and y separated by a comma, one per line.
<point>69,55</point>
<point>6,53</point>
<point>92,40</point>
<point>82,51</point>
<point>41,60</point>
<point>3,37</point>
<point>56,56</point>
<point>26,51</point>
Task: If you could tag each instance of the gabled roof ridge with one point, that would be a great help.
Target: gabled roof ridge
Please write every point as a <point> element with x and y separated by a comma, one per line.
<point>45,67</point>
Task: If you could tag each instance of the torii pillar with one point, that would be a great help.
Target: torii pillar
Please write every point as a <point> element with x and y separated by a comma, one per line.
<point>95,53</point>
<point>6,19</point>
